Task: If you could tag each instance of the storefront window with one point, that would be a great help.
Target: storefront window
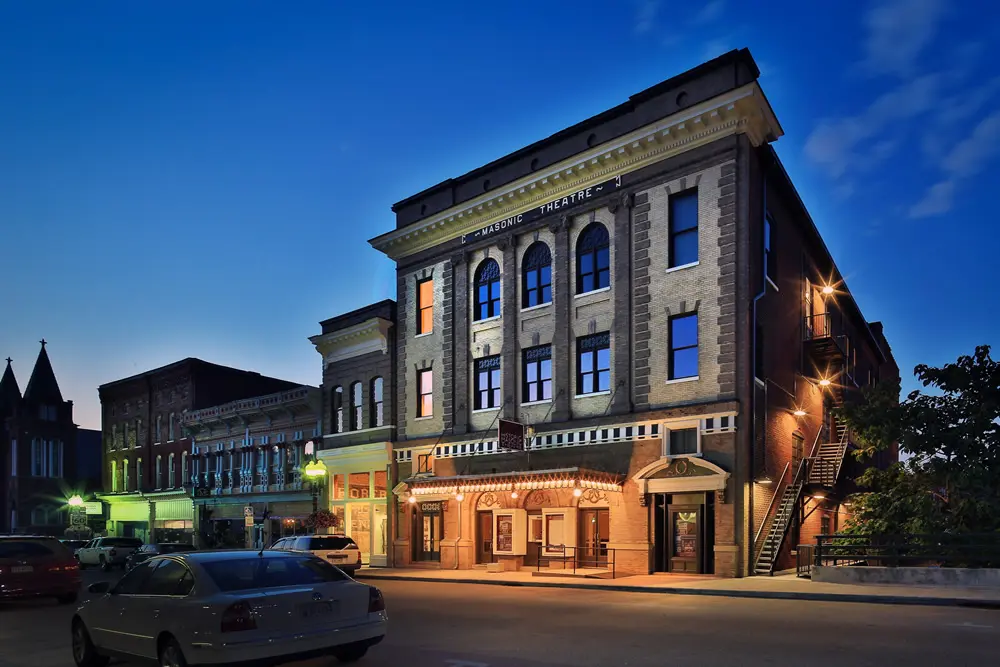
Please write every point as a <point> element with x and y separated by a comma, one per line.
<point>338,487</point>
<point>338,511</point>
<point>380,537</point>
<point>535,528</point>
<point>554,530</point>
<point>358,485</point>
<point>380,483</point>
<point>361,527</point>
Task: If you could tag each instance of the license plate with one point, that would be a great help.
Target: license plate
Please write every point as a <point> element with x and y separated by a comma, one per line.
<point>21,569</point>
<point>332,557</point>
<point>317,609</point>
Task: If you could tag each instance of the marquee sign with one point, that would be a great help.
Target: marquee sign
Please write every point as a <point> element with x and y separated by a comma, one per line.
<point>510,435</point>
<point>548,207</point>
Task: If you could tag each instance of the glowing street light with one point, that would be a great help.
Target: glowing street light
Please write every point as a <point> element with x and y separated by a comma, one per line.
<point>315,469</point>
<point>825,382</point>
<point>828,289</point>
<point>799,413</point>
<point>75,501</point>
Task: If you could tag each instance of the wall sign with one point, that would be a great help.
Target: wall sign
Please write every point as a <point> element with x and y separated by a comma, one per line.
<point>432,507</point>
<point>505,532</point>
<point>548,207</point>
<point>510,435</point>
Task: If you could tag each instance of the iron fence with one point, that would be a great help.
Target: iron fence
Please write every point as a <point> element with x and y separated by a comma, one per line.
<point>937,550</point>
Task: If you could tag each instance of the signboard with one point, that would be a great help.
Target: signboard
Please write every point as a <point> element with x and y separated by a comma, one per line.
<point>77,517</point>
<point>202,492</point>
<point>432,507</point>
<point>94,507</point>
<point>505,532</point>
<point>248,521</point>
<point>548,207</point>
<point>510,435</point>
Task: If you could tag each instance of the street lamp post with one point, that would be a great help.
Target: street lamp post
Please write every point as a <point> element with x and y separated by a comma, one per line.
<point>316,473</point>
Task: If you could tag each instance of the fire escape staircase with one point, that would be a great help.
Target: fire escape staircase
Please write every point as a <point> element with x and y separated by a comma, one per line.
<point>821,469</point>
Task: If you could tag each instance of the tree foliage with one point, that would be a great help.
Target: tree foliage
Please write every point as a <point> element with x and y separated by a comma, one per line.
<point>948,439</point>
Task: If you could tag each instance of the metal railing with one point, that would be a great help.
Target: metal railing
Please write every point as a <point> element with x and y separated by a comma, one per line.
<point>938,550</point>
<point>804,560</point>
<point>572,556</point>
<point>770,505</point>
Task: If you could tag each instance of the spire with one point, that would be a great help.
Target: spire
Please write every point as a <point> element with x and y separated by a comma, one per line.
<point>10,393</point>
<point>42,385</point>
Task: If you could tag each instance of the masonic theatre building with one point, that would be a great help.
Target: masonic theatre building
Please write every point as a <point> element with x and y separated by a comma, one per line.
<point>586,286</point>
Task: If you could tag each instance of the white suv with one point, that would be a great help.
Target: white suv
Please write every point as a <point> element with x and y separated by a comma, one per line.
<point>339,550</point>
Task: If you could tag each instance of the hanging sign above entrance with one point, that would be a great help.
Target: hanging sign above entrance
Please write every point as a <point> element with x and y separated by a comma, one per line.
<point>510,435</point>
<point>537,212</point>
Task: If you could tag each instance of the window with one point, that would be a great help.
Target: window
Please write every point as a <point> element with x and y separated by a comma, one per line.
<point>554,536</point>
<point>425,306</point>
<point>56,460</point>
<point>593,259</point>
<point>770,259</point>
<point>487,301</point>
<point>170,471</point>
<point>138,474</point>
<point>37,458</point>
<point>537,375</point>
<point>167,579</point>
<point>356,417</point>
<point>184,468</point>
<point>138,432</point>
<point>593,367</point>
<point>255,573</point>
<point>125,475</point>
<point>425,393</point>
<point>487,383</point>
<point>683,228</point>
<point>376,415</point>
<point>537,268</point>
<point>133,581</point>
<point>13,456</point>
<point>338,409</point>
<point>159,471</point>
<point>683,346</point>
<point>159,428</point>
<point>114,477</point>
<point>682,441</point>
<point>47,413</point>
<point>170,427</point>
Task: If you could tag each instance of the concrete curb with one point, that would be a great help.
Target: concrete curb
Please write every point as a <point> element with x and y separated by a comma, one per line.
<point>759,595</point>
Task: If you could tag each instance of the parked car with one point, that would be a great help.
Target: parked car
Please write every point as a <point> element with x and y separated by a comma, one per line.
<point>107,552</point>
<point>337,549</point>
<point>37,567</point>
<point>147,551</point>
<point>227,607</point>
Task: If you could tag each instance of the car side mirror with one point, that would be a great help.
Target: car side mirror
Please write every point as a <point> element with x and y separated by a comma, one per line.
<point>99,587</point>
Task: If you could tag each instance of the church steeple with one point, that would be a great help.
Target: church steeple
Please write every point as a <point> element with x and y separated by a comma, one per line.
<point>10,393</point>
<point>42,385</point>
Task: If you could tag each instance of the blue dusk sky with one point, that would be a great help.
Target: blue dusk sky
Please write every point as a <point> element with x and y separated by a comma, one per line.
<point>201,178</point>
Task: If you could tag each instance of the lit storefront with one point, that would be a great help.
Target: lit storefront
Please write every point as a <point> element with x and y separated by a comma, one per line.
<point>358,496</point>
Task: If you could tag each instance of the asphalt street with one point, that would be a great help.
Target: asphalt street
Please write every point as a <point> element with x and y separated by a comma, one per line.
<point>468,625</point>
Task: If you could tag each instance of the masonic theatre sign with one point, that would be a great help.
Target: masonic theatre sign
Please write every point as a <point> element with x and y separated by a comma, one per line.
<point>548,207</point>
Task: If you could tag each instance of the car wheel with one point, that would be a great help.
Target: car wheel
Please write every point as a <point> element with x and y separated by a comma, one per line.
<point>83,566</point>
<point>350,652</point>
<point>84,653</point>
<point>68,598</point>
<point>171,654</point>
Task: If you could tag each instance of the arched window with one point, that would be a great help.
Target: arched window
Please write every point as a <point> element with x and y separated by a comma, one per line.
<point>125,476</point>
<point>170,428</point>
<point>537,268</point>
<point>138,474</point>
<point>337,406</point>
<point>184,468</point>
<point>376,416</point>
<point>356,419</point>
<point>170,471</point>
<point>114,477</point>
<point>159,428</point>
<point>487,290</point>
<point>593,259</point>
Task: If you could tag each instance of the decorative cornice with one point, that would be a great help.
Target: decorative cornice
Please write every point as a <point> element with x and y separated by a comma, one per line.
<point>369,336</point>
<point>744,110</point>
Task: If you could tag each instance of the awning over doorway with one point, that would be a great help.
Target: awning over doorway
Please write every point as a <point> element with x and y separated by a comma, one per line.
<point>560,478</point>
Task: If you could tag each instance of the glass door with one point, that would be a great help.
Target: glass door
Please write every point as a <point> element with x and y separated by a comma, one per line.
<point>380,534</point>
<point>484,538</point>
<point>685,538</point>
<point>595,531</point>
<point>427,530</point>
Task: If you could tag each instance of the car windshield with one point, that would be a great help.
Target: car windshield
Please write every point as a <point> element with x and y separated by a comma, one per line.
<point>121,542</point>
<point>245,573</point>
<point>21,549</point>
<point>330,543</point>
<point>173,548</point>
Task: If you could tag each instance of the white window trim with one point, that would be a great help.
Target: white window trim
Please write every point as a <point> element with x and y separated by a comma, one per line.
<point>600,290</point>
<point>416,419</point>
<point>495,318</point>
<point>692,378</point>
<point>682,425</point>
<point>424,335</point>
<point>544,401</point>
<point>606,392</point>
<point>538,307</point>
<point>683,266</point>
<point>481,410</point>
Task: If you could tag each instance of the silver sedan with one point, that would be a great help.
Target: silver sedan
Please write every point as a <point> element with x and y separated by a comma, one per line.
<point>229,607</point>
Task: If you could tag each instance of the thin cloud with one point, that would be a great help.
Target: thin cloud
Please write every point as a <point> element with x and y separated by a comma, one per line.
<point>898,30</point>
<point>710,12</point>
<point>937,200</point>
<point>646,16</point>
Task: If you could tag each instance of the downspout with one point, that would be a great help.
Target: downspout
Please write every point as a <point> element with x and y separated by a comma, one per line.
<point>753,392</point>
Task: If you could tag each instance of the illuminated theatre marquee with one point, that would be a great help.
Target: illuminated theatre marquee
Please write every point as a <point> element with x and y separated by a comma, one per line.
<point>548,207</point>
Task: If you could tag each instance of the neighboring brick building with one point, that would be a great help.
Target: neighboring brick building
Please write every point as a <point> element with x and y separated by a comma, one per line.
<point>249,453</point>
<point>601,286</point>
<point>359,391</point>
<point>38,462</point>
<point>141,421</point>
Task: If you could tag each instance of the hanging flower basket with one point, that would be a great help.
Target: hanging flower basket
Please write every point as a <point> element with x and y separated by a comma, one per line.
<point>322,519</point>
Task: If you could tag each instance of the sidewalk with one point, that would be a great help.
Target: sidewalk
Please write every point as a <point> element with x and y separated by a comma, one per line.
<point>781,587</point>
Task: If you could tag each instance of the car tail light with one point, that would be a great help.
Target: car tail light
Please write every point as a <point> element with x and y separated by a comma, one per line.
<point>359,558</point>
<point>375,600</point>
<point>65,567</point>
<point>238,617</point>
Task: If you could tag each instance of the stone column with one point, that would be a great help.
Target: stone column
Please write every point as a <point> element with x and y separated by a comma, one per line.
<point>622,323</point>
<point>509,310</point>
<point>563,386</point>
<point>460,343</point>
